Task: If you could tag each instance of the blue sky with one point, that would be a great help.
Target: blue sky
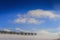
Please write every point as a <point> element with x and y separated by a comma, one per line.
<point>30,15</point>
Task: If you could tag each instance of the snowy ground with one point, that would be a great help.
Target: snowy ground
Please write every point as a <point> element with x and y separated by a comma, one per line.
<point>21,37</point>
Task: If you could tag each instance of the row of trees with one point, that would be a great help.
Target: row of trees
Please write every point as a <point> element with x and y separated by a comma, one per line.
<point>18,33</point>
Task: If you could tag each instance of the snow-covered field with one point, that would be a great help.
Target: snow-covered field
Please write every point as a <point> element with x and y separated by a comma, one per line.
<point>22,37</point>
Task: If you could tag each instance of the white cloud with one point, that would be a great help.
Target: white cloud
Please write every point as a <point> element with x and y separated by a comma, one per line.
<point>42,13</point>
<point>42,31</point>
<point>19,29</point>
<point>6,29</point>
<point>28,20</point>
<point>34,21</point>
<point>20,20</point>
<point>33,16</point>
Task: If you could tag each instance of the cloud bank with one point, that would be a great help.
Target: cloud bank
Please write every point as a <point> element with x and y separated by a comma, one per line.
<point>5,29</point>
<point>33,16</point>
<point>42,13</point>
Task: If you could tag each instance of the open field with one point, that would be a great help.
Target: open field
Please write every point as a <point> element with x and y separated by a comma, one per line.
<point>19,37</point>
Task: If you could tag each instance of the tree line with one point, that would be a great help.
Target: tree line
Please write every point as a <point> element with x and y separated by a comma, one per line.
<point>18,33</point>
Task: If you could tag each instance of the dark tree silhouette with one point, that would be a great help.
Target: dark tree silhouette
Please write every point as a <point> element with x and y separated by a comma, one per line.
<point>18,33</point>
